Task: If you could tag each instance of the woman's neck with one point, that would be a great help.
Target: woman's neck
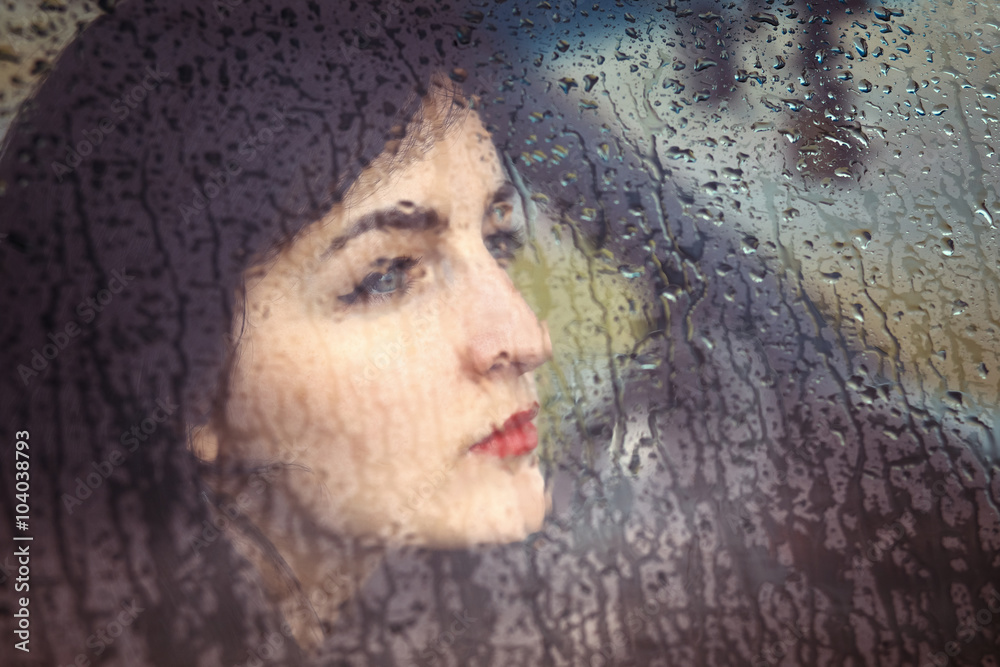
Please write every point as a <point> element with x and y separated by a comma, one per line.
<point>308,572</point>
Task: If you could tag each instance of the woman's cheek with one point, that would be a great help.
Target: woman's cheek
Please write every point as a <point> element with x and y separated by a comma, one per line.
<point>372,364</point>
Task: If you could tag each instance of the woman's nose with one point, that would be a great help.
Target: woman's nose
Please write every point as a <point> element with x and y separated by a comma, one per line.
<point>503,335</point>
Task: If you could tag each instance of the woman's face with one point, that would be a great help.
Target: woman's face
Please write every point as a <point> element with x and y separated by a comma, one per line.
<point>388,355</point>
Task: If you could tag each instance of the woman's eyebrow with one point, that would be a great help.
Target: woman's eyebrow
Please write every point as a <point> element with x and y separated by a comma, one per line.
<point>408,217</point>
<point>411,218</point>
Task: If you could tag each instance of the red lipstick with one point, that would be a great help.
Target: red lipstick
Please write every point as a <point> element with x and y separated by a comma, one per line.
<point>518,436</point>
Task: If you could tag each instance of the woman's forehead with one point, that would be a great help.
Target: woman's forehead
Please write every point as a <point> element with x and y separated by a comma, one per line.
<point>459,162</point>
<point>458,170</point>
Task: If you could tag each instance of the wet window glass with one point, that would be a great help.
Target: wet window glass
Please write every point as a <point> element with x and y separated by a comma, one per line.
<point>496,333</point>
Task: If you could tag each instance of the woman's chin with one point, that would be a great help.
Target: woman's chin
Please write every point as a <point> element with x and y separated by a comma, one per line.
<point>487,501</point>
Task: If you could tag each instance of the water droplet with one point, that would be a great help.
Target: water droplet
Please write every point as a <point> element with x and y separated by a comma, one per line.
<point>864,86</point>
<point>676,153</point>
<point>629,272</point>
<point>792,134</point>
<point>855,131</point>
<point>648,362</point>
<point>473,16</point>
<point>953,399</point>
<point>567,84</point>
<point>861,46</point>
<point>985,212</point>
<point>703,64</point>
<point>779,62</point>
<point>764,17</point>
<point>673,83</point>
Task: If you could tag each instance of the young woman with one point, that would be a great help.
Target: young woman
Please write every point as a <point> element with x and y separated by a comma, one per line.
<point>284,235</point>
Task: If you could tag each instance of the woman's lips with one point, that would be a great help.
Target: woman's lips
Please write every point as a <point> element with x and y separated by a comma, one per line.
<point>518,436</point>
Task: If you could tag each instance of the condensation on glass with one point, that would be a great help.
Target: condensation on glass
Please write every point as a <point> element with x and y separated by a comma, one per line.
<point>767,250</point>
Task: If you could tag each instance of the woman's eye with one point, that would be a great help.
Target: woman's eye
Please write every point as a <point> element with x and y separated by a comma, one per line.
<point>504,245</point>
<point>386,282</point>
<point>380,285</point>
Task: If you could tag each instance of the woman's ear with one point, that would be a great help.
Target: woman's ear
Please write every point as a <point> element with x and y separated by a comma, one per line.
<point>204,442</point>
